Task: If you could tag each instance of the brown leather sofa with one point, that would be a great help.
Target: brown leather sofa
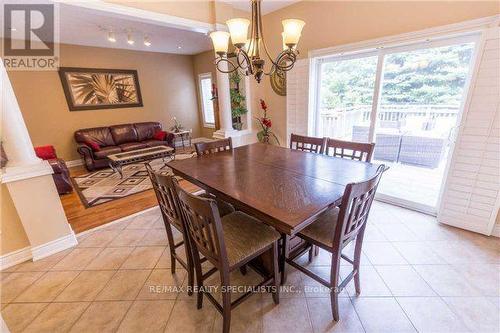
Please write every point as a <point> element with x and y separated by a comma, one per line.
<point>117,138</point>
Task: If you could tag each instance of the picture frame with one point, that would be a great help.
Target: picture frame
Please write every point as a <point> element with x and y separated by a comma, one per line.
<point>99,88</point>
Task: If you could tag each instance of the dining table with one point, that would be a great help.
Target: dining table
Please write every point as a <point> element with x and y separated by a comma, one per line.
<point>284,188</point>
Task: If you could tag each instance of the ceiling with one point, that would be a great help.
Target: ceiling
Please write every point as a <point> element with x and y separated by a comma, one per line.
<point>267,6</point>
<point>90,27</point>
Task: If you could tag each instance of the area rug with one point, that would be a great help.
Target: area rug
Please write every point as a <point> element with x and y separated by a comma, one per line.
<point>105,185</point>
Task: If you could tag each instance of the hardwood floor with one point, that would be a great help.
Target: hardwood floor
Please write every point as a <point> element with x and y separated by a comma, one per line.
<point>81,218</point>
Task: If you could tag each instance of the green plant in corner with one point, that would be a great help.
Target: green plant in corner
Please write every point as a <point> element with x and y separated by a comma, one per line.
<point>238,105</point>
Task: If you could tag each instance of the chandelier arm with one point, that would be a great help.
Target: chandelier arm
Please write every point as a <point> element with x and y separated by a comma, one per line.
<point>283,57</point>
<point>246,60</point>
<point>229,62</point>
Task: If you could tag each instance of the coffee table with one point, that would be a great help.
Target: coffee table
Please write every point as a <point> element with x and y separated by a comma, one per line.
<point>117,161</point>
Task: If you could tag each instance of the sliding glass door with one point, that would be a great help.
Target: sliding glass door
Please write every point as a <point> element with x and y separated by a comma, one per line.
<point>405,99</point>
<point>346,97</point>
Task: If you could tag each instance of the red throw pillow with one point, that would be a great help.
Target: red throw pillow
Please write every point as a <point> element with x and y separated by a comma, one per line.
<point>45,152</point>
<point>92,144</point>
<point>160,135</point>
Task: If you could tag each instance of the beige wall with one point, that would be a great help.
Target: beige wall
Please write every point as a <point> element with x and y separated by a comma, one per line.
<point>13,236</point>
<point>167,85</point>
<point>194,10</point>
<point>331,23</point>
<point>204,63</point>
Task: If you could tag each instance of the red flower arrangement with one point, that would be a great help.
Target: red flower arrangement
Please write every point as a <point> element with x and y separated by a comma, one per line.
<point>265,134</point>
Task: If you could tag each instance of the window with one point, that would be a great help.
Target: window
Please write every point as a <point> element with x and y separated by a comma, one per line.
<point>207,105</point>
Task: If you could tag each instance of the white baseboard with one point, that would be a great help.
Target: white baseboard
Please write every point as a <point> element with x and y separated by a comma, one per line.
<point>37,252</point>
<point>74,163</point>
<point>57,245</point>
<point>15,257</point>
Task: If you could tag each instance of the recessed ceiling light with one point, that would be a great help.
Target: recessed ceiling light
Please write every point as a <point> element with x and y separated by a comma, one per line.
<point>147,41</point>
<point>111,37</point>
<point>130,40</point>
<point>179,47</point>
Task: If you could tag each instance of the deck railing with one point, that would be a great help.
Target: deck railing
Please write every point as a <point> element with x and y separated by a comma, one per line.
<point>338,122</point>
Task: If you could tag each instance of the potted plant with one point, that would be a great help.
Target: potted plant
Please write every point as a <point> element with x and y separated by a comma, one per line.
<point>265,134</point>
<point>238,106</point>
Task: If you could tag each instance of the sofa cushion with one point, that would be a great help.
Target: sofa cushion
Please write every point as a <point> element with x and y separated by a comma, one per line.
<point>123,133</point>
<point>160,135</point>
<point>105,151</point>
<point>92,144</point>
<point>132,146</point>
<point>146,130</point>
<point>100,135</point>
<point>155,143</point>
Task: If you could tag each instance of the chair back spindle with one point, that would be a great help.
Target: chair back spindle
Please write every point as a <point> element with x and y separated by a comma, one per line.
<point>164,187</point>
<point>204,226</point>
<point>356,204</point>
<point>206,148</point>
<point>307,143</point>
<point>358,151</point>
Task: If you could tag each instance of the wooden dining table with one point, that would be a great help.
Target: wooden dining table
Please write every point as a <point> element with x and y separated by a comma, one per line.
<point>286,189</point>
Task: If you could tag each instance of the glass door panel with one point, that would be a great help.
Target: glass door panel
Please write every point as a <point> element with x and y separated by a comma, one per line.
<point>420,98</point>
<point>345,98</point>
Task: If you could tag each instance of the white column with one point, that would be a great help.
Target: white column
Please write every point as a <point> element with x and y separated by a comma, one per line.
<point>29,181</point>
<point>15,138</point>
<point>224,98</point>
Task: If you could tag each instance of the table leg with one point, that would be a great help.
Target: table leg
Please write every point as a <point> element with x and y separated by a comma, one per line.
<point>284,252</point>
<point>116,168</point>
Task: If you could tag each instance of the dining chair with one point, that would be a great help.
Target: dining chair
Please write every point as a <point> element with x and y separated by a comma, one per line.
<point>358,151</point>
<point>227,242</point>
<point>334,230</point>
<point>168,201</point>
<point>206,148</point>
<point>307,143</point>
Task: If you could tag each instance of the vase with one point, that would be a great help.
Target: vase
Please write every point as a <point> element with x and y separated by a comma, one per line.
<point>265,139</point>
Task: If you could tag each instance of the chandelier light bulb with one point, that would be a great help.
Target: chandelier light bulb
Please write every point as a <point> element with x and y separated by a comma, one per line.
<point>147,41</point>
<point>220,39</point>
<point>111,37</point>
<point>292,30</point>
<point>238,28</point>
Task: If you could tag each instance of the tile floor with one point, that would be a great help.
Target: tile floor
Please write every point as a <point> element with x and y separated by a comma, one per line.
<point>416,276</point>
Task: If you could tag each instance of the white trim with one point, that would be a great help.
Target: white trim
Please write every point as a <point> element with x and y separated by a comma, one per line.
<point>411,37</point>
<point>17,173</point>
<point>400,202</point>
<point>74,163</point>
<point>142,15</point>
<point>38,252</point>
<point>57,245</point>
<point>15,257</point>
<point>204,76</point>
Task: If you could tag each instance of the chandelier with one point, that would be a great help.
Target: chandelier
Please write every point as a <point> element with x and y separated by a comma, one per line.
<point>247,53</point>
